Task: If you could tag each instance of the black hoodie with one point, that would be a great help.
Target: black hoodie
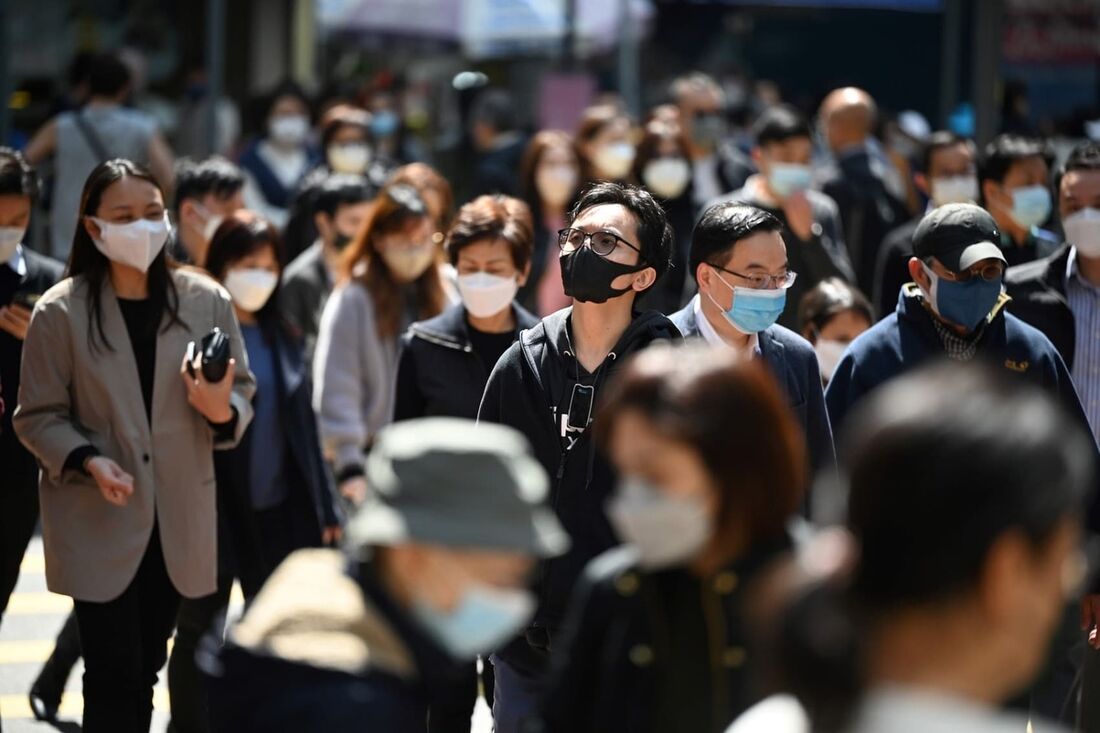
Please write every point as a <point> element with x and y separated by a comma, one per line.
<point>530,390</point>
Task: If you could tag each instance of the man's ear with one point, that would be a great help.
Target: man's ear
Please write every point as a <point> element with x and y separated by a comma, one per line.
<point>644,279</point>
<point>757,157</point>
<point>989,192</point>
<point>703,274</point>
<point>923,184</point>
<point>324,227</point>
<point>916,271</point>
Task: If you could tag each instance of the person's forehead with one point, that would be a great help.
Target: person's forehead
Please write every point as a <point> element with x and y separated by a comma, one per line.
<point>760,249</point>
<point>790,146</point>
<point>131,190</point>
<point>606,216</point>
<point>1029,165</point>
<point>956,154</point>
<point>1079,182</point>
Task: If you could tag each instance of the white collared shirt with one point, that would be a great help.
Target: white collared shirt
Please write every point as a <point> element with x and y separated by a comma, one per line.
<point>18,262</point>
<point>711,336</point>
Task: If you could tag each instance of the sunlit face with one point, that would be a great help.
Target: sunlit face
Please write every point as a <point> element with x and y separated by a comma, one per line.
<point>127,200</point>
<point>263,258</point>
<point>794,150</point>
<point>1031,171</point>
<point>492,256</point>
<point>350,217</point>
<point>637,450</point>
<point>15,210</point>
<point>1078,190</point>
<point>417,233</point>
<point>618,220</point>
<point>951,161</point>
<point>441,575</point>
<point>760,253</point>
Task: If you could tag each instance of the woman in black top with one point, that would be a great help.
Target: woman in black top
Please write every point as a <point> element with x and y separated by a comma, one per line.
<point>710,461</point>
<point>446,360</point>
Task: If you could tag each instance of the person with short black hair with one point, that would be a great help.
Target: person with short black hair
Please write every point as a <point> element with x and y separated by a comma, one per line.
<point>740,264</point>
<point>81,139</point>
<point>940,602</point>
<point>1014,174</point>
<point>550,384</point>
<point>832,315</point>
<point>340,205</point>
<point>24,276</point>
<point>499,144</point>
<point>712,465</point>
<point>717,164</point>
<point>812,231</point>
<point>947,175</point>
<point>207,191</point>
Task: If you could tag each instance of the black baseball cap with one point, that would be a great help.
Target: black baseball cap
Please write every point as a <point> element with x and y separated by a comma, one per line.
<point>958,235</point>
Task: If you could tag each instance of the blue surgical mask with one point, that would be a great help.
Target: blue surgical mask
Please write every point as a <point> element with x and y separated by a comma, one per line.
<point>752,310</point>
<point>384,124</point>
<point>1030,206</point>
<point>484,619</point>
<point>965,304</point>
<point>786,179</point>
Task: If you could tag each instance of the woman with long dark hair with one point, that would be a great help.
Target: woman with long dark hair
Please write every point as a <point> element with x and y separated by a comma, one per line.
<point>125,432</point>
<point>392,276</point>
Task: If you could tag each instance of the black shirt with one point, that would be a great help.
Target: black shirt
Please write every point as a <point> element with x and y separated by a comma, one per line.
<point>489,347</point>
<point>141,324</point>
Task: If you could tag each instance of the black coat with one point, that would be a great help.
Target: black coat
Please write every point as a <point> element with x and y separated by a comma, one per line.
<point>1038,292</point>
<point>240,548</point>
<point>529,390</point>
<point>622,640</point>
<point>18,464</point>
<point>439,373</point>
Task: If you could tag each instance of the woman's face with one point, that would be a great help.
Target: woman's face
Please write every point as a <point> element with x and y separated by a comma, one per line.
<point>260,259</point>
<point>288,105</point>
<point>844,326</point>
<point>492,256</point>
<point>637,450</point>
<point>615,131</point>
<point>346,134</point>
<point>416,234</point>
<point>127,200</point>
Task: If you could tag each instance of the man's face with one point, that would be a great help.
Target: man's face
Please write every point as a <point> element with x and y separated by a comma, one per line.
<point>762,253</point>
<point>951,161</point>
<point>792,151</point>
<point>1078,190</point>
<point>444,574</point>
<point>1027,172</point>
<point>15,210</point>
<point>621,222</point>
<point>200,214</point>
<point>348,220</point>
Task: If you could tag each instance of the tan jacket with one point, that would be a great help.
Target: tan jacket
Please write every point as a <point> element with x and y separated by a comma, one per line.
<point>72,394</point>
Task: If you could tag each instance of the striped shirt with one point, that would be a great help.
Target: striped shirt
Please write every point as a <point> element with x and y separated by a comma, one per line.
<point>1084,302</point>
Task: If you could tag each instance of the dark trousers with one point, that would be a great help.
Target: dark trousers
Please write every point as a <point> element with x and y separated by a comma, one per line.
<point>452,710</point>
<point>18,517</point>
<point>125,645</point>
<point>186,686</point>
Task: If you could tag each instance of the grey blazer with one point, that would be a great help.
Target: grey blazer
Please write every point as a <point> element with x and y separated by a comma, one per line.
<point>72,394</point>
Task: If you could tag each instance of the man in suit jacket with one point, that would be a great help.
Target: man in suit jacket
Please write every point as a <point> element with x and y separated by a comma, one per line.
<point>740,264</point>
<point>861,179</point>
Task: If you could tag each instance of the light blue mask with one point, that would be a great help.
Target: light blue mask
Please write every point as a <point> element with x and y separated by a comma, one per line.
<point>384,124</point>
<point>786,179</point>
<point>1030,206</point>
<point>752,310</point>
<point>482,621</point>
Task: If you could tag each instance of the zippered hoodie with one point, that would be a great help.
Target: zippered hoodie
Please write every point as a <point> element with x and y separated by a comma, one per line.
<point>528,390</point>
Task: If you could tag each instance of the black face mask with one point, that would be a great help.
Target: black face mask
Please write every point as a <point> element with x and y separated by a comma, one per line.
<point>587,277</point>
<point>341,242</point>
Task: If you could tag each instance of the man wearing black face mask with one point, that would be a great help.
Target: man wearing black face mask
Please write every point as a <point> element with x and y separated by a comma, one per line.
<point>342,205</point>
<point>548,385</point>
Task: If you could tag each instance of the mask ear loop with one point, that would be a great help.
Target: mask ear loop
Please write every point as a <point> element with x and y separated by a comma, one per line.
<point>723,281</point>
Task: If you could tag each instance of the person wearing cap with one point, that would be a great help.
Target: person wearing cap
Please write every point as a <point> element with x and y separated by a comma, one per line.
<point>955,308</point>
<point>433,574</point>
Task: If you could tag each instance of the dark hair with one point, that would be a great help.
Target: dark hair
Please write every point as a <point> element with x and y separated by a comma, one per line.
<point>85,259</point>
<point>426,179</point>
<point>654,232</point>
<point>342,189</point>
<point>1084,157</point>
<point>722,226</point>
<point>779,124</point>
<point>288,89</point>
<point>924,527</point>
<point>214,175</point>
<point>107,75</point>
<point>941,140</point>
<point>492,218</point>
<point>398,206</point>
<point>341,116</point>
<point>593,120</point>
<point>700,396</point>
<point>495,108</point>
<point>236,238</point>
<point>1006,151</point>
<point>529,165</point>
<point>17,177</point>
<point>828,299</point>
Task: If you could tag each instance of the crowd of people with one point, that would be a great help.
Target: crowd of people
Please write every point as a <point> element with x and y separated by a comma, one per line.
<point>656,428</point>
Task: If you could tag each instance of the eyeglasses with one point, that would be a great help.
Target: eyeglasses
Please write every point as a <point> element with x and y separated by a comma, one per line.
<point>601,242</point>
<point>991,272</point>
<point>763,281</point>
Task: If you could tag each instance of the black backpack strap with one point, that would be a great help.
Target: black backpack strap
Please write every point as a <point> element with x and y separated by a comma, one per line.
<point>90,137</point>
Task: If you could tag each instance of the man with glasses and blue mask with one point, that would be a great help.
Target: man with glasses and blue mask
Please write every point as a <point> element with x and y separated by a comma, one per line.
<point>740,263</point>
<point>955,308</point>
<point>549,384</point>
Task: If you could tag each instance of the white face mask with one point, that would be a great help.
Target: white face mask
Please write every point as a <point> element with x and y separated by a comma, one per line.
<point>10,238</point>
<point>556,184</point>
<point>1082,230</point>
<point>289,130</point>
<point>135,244</point>
<point>666,530</point>
<point>954,190</point>
<point>829,352</point>
<point>251,287</point>
<point>352,158</point>
<point>614,160</point>
<point>211,221</point>
<point>409,263</point>
<point>486,295</point>
<point>667,177</point>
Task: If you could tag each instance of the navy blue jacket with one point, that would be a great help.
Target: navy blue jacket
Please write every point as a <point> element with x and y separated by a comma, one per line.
<point>794,364</point>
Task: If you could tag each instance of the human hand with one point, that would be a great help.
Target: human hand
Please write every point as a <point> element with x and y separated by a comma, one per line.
<point>211,399</point>
<point>115,484</point>
<point>15,319</point>
<point>800,215</point>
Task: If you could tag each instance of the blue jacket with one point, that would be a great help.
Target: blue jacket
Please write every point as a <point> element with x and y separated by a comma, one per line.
<point>794,363</point>
<point>907,338</point>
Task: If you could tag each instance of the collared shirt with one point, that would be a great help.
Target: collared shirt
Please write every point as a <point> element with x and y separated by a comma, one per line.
<point>955,346</point>
<point>18,262</point>
<point>712,337</point>
<point>1084,301</point>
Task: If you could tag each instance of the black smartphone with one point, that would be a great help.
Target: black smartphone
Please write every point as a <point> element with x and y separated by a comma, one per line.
<point>215,355</point>
<point>26,300</point>
<point>580,408</point>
